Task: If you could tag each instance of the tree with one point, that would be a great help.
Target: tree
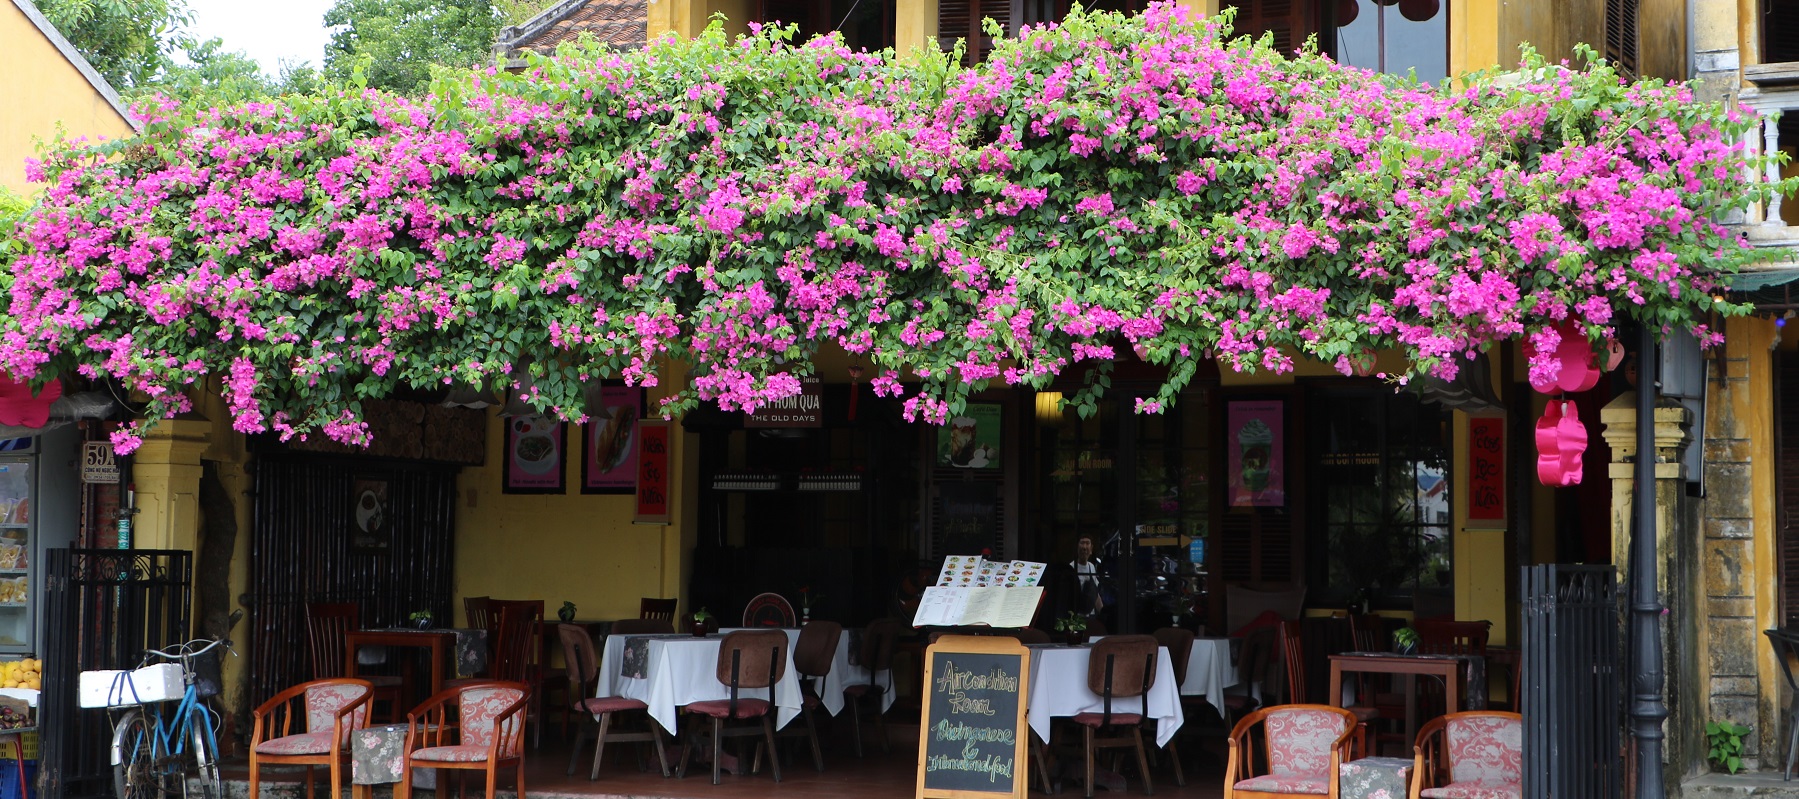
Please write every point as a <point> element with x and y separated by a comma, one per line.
<point>129,42</point>
<point>214,76</point>
<point>517,12</point>
<point>394,43</point>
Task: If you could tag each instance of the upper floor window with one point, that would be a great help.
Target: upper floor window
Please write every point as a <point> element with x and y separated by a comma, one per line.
<point>1391,36</point>
<point>1780,31</point>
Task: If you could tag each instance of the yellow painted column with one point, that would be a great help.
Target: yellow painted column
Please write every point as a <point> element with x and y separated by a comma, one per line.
<point>1474,36</point>
<point>1479,554</point>
<point>915,26</point>
<point>165,472</point>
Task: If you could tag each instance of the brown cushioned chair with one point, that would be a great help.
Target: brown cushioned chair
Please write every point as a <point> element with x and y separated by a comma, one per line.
<point>813,655</point>
<point>1120,667</point>
<point>747,660</point>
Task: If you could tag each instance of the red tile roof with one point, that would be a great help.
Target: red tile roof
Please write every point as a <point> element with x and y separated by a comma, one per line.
<point>621,24</point>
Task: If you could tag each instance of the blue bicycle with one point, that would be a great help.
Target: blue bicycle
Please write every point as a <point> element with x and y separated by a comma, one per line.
<point>154,747</point>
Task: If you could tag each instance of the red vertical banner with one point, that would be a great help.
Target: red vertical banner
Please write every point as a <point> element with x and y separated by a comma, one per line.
<point>1486,469</point>
<point>652,472</point>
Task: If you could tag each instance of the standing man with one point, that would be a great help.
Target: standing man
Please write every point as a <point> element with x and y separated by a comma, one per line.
<point>1087,570</point>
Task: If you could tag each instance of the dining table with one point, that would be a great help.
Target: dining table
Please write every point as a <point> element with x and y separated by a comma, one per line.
<point>1210,670</point>
<point>468,645</point>
<point>1464,679</point>
<point>1059,689</point>
<point>667,671</point>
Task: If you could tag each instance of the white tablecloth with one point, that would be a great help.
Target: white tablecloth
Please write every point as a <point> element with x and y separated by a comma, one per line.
<point>683,670</point>
<point>1059,688</point>
<point>1209,671</point>
<point>842,674</point>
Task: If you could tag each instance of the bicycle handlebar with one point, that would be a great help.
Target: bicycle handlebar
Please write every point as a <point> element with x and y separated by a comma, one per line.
<point>187,650</point>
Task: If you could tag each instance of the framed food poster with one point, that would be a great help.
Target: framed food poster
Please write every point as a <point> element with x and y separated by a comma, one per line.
<point>609,443</point>
<point>971,441</point>
<point>535,457</point>
<point>1255,446</point>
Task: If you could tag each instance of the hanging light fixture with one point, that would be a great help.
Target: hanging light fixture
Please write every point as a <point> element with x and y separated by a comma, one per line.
<point>1347,10</point>
<point>1419,10</point>
<point>1049,407</point>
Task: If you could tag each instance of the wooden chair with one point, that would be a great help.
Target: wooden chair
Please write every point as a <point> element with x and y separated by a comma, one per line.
<point>813,655</point>
<point>328,711</point>
<point>1438,637</point>
<point>326,625</point>
<point>876,656</point>
<point>479,612</point>
<point>1293,653</point>
<point>1120,667</point>
<point>1478,753</point>
<point>513,653</point>
<point>1255,661</point>
<point>1180,650</point>
<point>643,627</point>
<point>747,660</point>
<point>652,608</point>
<point>1368,632</point>
<point>583,669</point>
<point>1303,748</point>
<point>486,734</point>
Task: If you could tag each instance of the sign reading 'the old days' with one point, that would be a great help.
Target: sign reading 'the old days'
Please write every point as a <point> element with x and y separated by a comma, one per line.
<point>972,741</point>
<point>805,410</point>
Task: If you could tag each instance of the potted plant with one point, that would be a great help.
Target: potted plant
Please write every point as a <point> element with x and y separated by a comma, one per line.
<point>420,619</point>
<point>566,613</point>
<point>1073,625</point>
<point>702,619</point>
<point>1405,641</point>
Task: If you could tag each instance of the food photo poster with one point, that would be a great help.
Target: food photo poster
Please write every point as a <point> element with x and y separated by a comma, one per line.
<point>609,443</point>
<point>536,459</point>
<point>1255,446</point>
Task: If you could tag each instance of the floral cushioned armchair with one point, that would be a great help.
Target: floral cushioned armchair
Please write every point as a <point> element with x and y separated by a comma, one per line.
<point>1303,747</point>
<point>1473,755</point>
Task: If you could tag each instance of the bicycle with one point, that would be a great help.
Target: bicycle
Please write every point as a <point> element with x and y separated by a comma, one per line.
<point>153,752</point>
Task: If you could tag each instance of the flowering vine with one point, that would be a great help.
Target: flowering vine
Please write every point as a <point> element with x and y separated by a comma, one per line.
<point>1108,187</point>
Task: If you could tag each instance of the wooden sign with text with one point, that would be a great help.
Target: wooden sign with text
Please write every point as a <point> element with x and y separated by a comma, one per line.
<point>1486,469</point>
<point>652,472</point>
<point>972,742</point>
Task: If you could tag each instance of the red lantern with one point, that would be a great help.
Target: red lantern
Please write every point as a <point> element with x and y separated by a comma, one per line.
<point>1419,10</point>
<point>1386,2</point>
<point>1346,11</point>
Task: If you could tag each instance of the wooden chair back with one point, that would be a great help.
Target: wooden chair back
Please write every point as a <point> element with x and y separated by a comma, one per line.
<point>1437,637</point>
<point>479,612</point>
<point>653,608</point>
<point>578,659</point>
<point>752,659</point>
<point>1368,632</point>
<point>769,609</point>
<point>518,634</point>
<point>1180,649</point>
<point>1294,659</point>
<point>877,644</point>
<point>326,625</point>
<point>1120,667</point>
<point>817,648</point>
<point>643,627</point>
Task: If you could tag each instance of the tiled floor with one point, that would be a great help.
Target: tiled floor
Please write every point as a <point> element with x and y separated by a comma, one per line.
<point>878,776</point>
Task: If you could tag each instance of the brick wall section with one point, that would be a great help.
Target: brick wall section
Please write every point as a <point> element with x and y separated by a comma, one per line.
<point>1728,526</point>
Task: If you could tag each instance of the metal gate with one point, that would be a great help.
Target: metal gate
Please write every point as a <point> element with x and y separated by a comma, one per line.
<point>103,608</point>
<point>1573,664</point>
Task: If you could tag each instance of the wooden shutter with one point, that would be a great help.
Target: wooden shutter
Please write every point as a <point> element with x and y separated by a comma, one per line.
<point>961,19</point>
<point>1256,546</point>
<point>1621,35</point>
<point>1786,426</point>
<point>1291,21</point>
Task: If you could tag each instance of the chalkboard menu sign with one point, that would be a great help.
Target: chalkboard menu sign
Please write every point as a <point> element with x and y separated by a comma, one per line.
<point>972,741</point>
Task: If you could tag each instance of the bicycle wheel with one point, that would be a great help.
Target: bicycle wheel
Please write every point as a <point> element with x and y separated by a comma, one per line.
<point>134,758</point>
<point>206,756</point>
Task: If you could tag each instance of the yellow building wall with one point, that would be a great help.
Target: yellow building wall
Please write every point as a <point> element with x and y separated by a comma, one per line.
<point>41,92</point>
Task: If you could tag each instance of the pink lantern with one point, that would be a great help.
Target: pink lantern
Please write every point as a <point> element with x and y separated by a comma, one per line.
<point>1347,10</point>
<point>1579,370</point>
<point>1419,10</point>
<point>20,407</point>
<point>1614,354</point>
<point>1561,440</point>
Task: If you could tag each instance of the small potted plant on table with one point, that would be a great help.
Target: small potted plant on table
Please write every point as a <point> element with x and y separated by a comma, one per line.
<point>1073,626</point>
<point>420,619</point>
<point>566,613</point>
<point>1405,641</point>
<point>702,620</point>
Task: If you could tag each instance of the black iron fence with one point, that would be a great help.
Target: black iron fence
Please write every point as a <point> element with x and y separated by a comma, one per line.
<point>103,608</point>
<point>1573,667</point>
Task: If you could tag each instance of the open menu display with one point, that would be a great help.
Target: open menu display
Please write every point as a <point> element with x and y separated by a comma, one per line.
<point>943,606</point>
<point>974,571</point>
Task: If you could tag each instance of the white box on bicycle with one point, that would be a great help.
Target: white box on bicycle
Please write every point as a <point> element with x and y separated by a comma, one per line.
<point>158,683</point>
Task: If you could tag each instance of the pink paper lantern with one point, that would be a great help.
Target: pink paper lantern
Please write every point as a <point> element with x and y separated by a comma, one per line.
<point>1561,440</point>
<point>20,407</point>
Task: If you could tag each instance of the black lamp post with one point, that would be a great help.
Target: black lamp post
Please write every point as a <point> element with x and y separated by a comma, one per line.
<point>1647,710</point>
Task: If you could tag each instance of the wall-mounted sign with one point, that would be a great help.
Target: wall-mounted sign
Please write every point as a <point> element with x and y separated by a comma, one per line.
<point>97,464</point>
<point>805,410</point>
<point>1486,469</point>
<point>652,472</point>
<point>972,741</point>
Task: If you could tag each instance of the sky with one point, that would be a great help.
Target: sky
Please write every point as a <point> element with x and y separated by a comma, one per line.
<point>270,32</point>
